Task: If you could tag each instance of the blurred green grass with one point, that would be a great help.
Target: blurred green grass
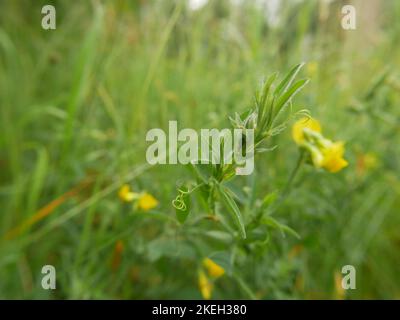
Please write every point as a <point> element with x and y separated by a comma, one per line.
<point>76,104</point>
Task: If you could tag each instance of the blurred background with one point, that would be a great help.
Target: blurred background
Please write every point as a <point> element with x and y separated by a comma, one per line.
<point>76,103</point>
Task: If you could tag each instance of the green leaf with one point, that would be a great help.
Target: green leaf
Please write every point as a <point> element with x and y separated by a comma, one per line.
<point>285,98</point>
<point>268,83</point>
<point>163,247</point>
<point>269,199</point>
<point>203,171</point>
<point>264,95</point>
<point>376,84</point>
<point>268,220</point>
<point>232,208</point>
<point>219,235</point>
<point>287,81</point>
<point>38,179</point>
<point>223,259</point>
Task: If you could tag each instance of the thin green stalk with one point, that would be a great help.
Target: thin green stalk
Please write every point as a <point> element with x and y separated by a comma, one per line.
<point>243,285</point>
<point>288,187</point>
<point>289,183</point>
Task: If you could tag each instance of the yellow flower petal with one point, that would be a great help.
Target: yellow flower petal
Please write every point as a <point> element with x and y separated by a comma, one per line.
<point>125,193</point>
<point>316,155</point>
<point>333,157</point>
<point>300,125</point>
<point>205,286</point>
<point>213,269</point>
<point>147,202</point>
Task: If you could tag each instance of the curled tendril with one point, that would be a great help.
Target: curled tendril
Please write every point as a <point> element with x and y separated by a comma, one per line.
<point>179,202</point>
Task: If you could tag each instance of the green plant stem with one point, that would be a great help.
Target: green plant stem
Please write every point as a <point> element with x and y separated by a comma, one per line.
<point>244,286</point>
<point>288,187</point>
<point>292,176</point>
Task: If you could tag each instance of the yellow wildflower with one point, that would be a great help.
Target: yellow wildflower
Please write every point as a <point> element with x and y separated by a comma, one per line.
<point>205,286</point>
<point>300,125</point>
<point>317,157</point>
<point>213,269</point>
<point>147,202</point>
<point>333,157</point>
<point>125,193</point>
<point>324,153</point>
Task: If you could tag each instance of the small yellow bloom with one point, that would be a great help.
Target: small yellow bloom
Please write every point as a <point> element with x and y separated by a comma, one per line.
<point>147,202</point>
<point>205,286</point>
<point>317,157</point>
<point>324,153</point>
<point>125,193</point>
<point>213,269</point>
<point>300,125</point>
<point>333,157</point>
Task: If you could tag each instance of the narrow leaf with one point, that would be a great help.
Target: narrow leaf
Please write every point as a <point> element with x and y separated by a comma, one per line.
<point>287,81</point>
<point>268,220</point>
<point>289,94</point>
<point>232,208</point>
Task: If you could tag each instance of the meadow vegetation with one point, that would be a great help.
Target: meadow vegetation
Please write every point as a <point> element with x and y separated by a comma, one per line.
<point>76,191</point>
